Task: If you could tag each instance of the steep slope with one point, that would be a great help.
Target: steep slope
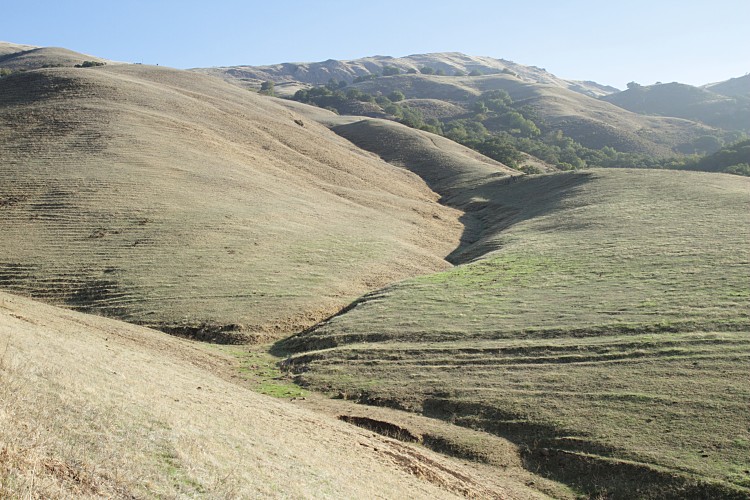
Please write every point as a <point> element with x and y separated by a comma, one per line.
<point>685,101</point>
<point>450,63</point>
<point>172,199</point>
<point>96,408</point>
<point>599,321</point>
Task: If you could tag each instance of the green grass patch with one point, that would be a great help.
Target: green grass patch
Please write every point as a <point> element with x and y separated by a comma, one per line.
<point>262,373</point>
<point>600,321</point>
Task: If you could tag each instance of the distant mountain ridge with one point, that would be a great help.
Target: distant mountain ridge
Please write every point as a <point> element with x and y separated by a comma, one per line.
<point>319,73</point>
<point>734,87</point>
<point>720,105</point>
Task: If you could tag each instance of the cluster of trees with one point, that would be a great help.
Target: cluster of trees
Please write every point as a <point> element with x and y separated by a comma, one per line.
<point>731,159</point>
<point>499,128</point>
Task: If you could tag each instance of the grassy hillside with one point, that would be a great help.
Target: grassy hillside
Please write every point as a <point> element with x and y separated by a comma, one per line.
<point>96,408</point>
<point>10,48</point>
<point>530,127</point>
<point>600,321</point>
<point>23,58</point>
<point>590,121</point>
<point>445,63</point>
<point>175,200</point>
<point>734,87</point>
<point>685,101</point>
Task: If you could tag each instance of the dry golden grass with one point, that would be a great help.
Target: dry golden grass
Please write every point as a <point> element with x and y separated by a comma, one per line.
<point>172,199</point>
<point>26,57</point>
<point>91,407</point>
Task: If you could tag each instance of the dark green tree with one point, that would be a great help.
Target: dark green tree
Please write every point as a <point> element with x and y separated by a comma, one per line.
<point>396,96</point>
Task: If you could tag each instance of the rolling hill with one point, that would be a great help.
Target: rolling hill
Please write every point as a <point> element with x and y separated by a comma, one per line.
<point>590,121</point>
<point>96,408</point>
<point>598,320</point>
<point>175,200</point>
<point>450,63</point>
<point>575,334</point>
<point>16,57</point>
<point>702,105</point>
<point>734,87</point>
<point>572,107</point>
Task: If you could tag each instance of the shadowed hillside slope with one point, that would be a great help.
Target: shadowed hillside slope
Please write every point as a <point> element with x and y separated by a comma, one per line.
<point>175,200</point>
<point>685,101</point>
<point>600,321</point>
<point>96,408</point>
<point>734,87</point>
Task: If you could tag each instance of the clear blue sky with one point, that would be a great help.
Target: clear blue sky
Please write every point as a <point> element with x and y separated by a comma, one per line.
<point>689,41</point>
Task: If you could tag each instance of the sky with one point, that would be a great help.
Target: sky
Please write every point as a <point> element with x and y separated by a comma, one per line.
<point>613,43</point>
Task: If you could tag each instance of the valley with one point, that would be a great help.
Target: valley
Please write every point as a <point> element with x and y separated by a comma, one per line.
<point>459,276</point>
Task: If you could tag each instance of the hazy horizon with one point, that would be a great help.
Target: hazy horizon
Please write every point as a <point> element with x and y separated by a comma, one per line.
<point>688,42</point>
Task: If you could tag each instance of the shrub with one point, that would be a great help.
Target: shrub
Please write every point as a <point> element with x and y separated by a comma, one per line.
<point>390,71</point>
<point>396,96</point>
<point>739,169</point>
<point>267,88</point>
<point>89,64</point>
<point>364,78</point>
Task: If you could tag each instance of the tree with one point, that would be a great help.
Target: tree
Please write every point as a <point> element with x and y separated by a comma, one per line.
<point>475,72</point>
<point>353,94</point>
<point>267,88</point>
<point>390,71</point>
<point>440,72</point>
<point>382,100</point>
<point>458,72</point>
<point>412,118</point>
<point>500,94</point>
<point>411,71</point>
<point>480,107</point>
<point>396,96</point>
<point>394,110</point>
<point>426,70</point>
<point>634,85</point>
<point>499,149</point>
